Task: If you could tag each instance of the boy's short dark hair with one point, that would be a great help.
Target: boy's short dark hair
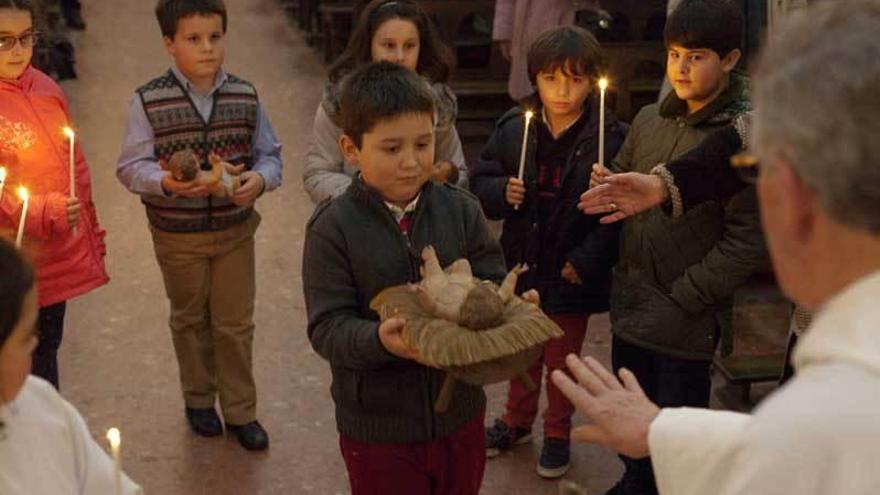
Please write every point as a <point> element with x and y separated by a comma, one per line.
<point>380,91</point>
<point>572,49</point>
<point>169,12</point>
<point>713,24</point>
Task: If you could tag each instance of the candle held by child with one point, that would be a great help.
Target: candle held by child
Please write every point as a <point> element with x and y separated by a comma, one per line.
<point>525,144</point>
<point>23,194</point>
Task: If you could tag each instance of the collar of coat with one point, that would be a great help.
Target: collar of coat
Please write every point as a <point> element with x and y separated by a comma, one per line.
<point>364,193</point>
<point>732,102</point>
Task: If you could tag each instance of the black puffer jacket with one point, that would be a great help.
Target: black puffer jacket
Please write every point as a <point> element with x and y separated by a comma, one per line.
<point>353,250</point>
<point>568,235</point>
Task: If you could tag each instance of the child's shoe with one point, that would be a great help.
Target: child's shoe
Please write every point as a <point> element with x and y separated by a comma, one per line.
<point>204,421</point>
<point>555,457</point>
<point>251,436</point>
<point>500,437</point>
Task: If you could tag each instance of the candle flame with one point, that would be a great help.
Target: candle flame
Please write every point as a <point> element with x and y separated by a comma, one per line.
<point>603,84</point>
<point>2,174</point>
<point>22,193</point>
<point>529,115</point>
<point>113,437</point>
<point>68,132</point>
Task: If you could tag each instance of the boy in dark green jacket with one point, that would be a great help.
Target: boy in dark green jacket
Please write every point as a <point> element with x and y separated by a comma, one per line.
<point>368,239</point>
<point>675,277</point>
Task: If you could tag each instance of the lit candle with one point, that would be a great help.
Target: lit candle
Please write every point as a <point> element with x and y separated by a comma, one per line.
<point>114,438</point>
<point>2,181</point>
<point>522,155</point>
<point>71,137</point>
<point>603,85</point>
<point>23,194</point>
<point>72,163</point>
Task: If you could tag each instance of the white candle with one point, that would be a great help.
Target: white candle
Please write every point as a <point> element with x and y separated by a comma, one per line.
<point>72,161</point>
<point>72,164</point>
<point>23,194</point>
<point>2,181</point>
<point>115,440</point>
<point>522,155</point>
<point>603,85</point>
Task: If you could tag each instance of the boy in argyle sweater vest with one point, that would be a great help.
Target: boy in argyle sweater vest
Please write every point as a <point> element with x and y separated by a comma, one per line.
<point>204,244</point>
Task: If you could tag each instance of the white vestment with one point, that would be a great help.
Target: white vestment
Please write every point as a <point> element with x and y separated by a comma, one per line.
<point>46,448</point>
<point>819,434</point>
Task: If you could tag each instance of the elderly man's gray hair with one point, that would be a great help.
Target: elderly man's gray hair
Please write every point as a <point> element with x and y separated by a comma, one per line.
<point>817,95</point>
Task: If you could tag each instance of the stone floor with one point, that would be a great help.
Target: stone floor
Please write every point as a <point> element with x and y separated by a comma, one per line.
<point>117,362</point>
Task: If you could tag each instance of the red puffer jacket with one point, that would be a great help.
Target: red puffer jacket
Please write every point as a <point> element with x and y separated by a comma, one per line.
<point>34,150</point>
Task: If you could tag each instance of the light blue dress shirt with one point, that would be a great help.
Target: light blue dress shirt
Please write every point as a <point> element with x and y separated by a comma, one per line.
<point>137,167</point>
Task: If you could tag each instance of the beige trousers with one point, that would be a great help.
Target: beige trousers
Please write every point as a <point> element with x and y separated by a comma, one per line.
<point>209,280</point>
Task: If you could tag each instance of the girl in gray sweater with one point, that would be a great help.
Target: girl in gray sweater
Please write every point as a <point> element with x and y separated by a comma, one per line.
<point>397,31</point>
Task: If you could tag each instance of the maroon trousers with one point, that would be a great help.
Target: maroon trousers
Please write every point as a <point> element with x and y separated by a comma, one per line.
<point>449,466</point>
<point>522,404</point>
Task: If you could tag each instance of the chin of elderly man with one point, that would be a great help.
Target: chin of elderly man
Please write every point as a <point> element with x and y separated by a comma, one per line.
<point>817,95</point>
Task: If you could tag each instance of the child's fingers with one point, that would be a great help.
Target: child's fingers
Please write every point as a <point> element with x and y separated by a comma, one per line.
<point>233,169</point>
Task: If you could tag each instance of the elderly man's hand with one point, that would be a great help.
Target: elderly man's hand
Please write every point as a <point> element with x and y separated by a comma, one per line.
<point>621,412</point>
<point>623,195</point>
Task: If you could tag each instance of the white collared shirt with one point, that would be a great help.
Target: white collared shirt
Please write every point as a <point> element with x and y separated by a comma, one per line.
<point>399,212</point>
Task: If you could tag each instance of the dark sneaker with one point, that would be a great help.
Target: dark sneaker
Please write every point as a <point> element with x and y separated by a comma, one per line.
<point>204,422</point>
<point>251,436</point>
<point>555,456</point>
<point>500,437</point>
<point>629,485</point>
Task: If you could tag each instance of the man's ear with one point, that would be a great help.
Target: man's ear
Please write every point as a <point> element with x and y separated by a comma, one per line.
<point>728,63</point>
<point>349,149</point>
<point>169,45</point>
<point>798,203</point>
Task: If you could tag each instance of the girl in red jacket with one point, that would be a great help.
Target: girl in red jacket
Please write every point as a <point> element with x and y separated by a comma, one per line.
<point>35,151</point>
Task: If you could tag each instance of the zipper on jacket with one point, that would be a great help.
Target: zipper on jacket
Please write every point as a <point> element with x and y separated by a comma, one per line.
<point>426,372</point>
<point>413,278</point>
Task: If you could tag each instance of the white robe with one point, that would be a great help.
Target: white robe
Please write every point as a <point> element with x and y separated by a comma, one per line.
<point>819,434</point>
<point>47,448</point>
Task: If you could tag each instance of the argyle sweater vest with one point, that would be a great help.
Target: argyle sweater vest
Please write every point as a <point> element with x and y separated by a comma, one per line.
<point>177,125</point>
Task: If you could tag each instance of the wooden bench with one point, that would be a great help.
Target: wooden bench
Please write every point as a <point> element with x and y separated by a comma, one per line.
<point>755,341</point>
<point>746,370</point>
<point>481,100</point>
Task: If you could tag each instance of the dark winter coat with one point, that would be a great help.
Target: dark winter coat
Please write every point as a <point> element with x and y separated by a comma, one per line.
<point>675,278</point>
<point>568,234</point>
<point>353,249</point>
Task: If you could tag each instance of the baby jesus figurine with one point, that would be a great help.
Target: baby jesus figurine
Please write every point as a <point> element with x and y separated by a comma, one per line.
<point>221,181</point>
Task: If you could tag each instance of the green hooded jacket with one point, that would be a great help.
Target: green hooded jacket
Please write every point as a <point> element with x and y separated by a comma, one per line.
<point>673,285</point>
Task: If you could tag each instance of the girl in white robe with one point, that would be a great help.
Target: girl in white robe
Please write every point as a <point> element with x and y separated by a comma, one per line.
<point>45,446</point>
